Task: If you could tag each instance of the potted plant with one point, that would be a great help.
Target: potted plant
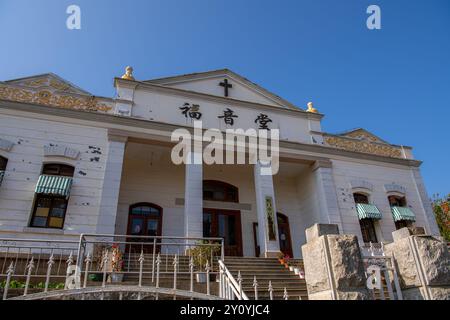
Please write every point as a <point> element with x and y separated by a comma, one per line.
<point>116,264</point>
<point>281,258</point>
<point>97,261</point>
<point>286,260</point>
<point>201,254</point>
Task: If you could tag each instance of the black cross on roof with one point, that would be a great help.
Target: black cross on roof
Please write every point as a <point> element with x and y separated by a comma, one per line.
<point>226,86</point>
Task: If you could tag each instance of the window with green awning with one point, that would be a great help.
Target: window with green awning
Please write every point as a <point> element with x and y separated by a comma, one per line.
<point>403,214</point>
<point>54,185</point>
<point>368,211</point>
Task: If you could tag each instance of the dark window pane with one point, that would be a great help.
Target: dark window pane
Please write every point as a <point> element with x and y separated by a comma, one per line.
<point>152,227</point>
<point>49,212</point>
<point>219,191</point>
<point>3,163</point>
<point>58,170</point>
<point>207,225</point>
<point>227,228</point>
<point>403,224</point>
<point>361,198</point>
<point>58,208</point>
<point>55,223</point>
<point>40,222</point>
<point>368,230</point>
<point>145,211</point>
<point>137,226</point>
<point>396,201</point>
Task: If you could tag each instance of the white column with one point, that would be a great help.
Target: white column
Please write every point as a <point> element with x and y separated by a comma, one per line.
<point>270,247</point>
<point>326,194</point>
<point>193,204</point>
<point>106,223</point>
<point>432,227</point>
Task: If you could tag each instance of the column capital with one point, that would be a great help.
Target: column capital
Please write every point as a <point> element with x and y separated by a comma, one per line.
<point>321,164</point>
<point>117,137</point>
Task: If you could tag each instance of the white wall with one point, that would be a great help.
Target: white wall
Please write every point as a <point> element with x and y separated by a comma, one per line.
<point>378,176</point>
<point>149,176</point>
<point>25,162</point>
<point>164,107</point>
<point>211,86</point>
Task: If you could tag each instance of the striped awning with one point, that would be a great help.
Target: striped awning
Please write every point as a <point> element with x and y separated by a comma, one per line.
<point>368,211</point>
<point>403,213</point>
<point>54,185</point>
<point>2,174</point>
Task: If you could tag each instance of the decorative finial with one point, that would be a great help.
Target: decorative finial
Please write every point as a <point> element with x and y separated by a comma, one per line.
<point>128,73</point>
<point>311,108</point>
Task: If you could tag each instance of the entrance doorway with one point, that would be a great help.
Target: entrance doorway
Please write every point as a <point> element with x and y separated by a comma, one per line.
<point>224,224</point>
<point>145,219</point>
<point>284,234</point>
<point>221,223</point>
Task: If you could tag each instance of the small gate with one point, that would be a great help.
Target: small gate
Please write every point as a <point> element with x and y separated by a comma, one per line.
<point>381,273</point>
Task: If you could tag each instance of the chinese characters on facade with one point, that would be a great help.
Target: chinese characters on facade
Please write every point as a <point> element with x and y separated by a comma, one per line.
<point>192,111</point>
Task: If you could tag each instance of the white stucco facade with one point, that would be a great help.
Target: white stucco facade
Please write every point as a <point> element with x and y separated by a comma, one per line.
<point>124,158</point>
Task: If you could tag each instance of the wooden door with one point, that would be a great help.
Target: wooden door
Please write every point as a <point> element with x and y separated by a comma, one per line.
<point>145,219</point>
<point>284,234</point>
<point>224,224</point>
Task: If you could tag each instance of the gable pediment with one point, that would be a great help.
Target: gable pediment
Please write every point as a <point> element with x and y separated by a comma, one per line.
<point>362,134</point>
<point>47,82</point>
<point>224,83</point>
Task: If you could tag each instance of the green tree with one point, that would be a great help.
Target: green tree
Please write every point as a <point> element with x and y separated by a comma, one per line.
<point>442,213</point>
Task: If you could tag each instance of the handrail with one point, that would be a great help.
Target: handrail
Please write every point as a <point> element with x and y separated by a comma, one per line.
<point>235,286</point>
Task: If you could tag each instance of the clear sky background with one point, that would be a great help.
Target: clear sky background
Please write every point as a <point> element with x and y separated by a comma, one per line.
<point>395,82</point>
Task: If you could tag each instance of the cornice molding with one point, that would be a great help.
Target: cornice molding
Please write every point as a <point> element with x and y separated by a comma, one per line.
<point>111,121</point>
<point>229,101</point>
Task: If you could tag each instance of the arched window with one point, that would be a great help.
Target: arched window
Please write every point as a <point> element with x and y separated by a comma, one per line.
<point>361,198</point>
<point>399,202</point>
<point>145,219</point>
<point>220,191</point>
<point>55,169</point>
<point>367,224</point>
<point>51,201</point>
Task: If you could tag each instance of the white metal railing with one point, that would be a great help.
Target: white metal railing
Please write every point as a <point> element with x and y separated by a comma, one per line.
<point>204,250</point>
<point>230,288</point>
<point>21,251</point>
<point>381,272</point>
<point>57,267</point>
<point>155,267</point>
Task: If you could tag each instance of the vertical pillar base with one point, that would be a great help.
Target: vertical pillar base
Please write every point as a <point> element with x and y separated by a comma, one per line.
<point>423,265</point>
<point>333,265</point>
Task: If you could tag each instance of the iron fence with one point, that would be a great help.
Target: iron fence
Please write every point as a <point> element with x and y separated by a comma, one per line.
<point>381,273</point>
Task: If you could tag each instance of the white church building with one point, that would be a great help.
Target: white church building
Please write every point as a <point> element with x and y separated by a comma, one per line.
<point>72,163</point>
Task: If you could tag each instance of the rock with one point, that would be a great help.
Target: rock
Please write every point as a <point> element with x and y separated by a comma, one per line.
<point>318,230</point>
<point>423,265</point>
<point>333,258</point>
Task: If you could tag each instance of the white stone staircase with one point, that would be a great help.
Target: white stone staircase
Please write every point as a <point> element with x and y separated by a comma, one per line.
<point>267,270</point>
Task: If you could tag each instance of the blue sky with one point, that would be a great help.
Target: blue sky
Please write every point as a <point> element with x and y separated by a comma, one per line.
<point>394,82</point>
